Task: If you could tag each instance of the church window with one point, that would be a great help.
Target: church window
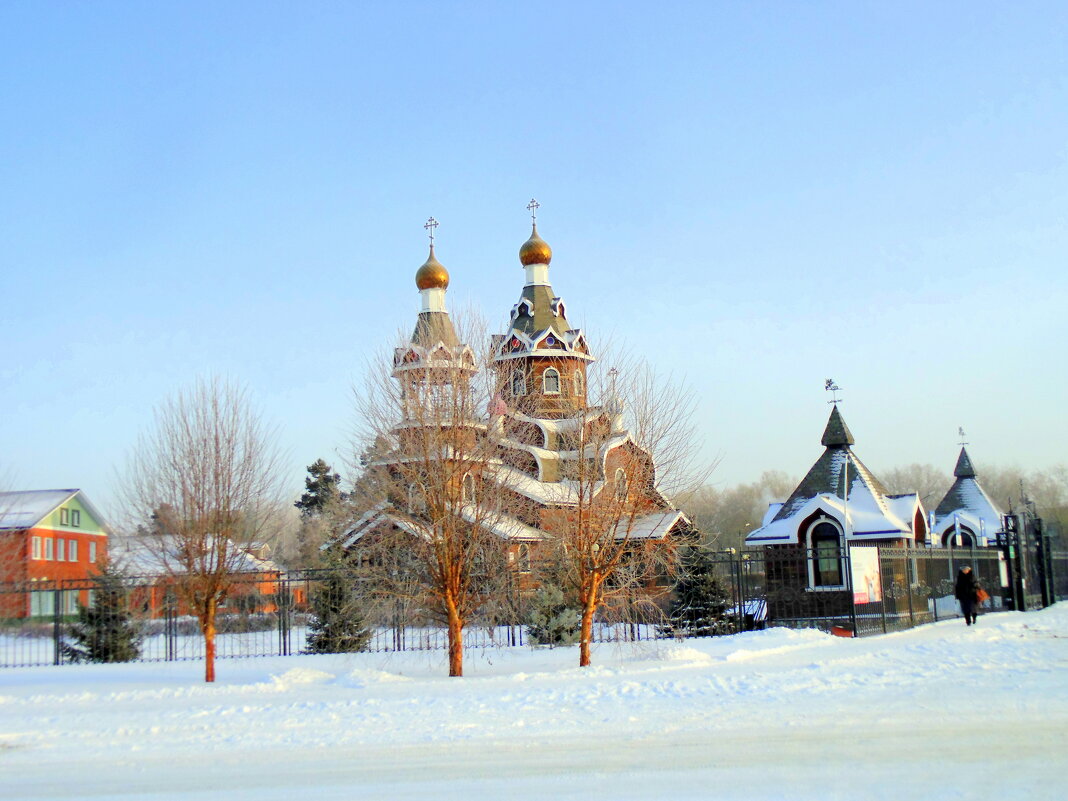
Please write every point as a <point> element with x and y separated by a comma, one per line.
<point>622,486</point>
<point>524,557</point>
<point>469,488</point>
<point>519,382</point>
<point>577,379</point>
<point>551,381</point>
<point>825,555</point>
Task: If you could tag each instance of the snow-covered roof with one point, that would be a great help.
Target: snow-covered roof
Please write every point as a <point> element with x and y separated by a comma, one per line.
<point>840,486</point>
<point>967,502</point>
<point>137,556</point>
<point>26,508</point>
<point>653,526</point>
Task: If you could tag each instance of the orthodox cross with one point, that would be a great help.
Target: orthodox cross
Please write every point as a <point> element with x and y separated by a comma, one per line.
<point>533,207</point>
<point>430,225</point>
<point>960,433</point>
<point>834,389</point>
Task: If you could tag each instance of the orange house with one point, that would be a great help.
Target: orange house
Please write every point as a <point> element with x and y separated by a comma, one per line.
<point>48,536</point>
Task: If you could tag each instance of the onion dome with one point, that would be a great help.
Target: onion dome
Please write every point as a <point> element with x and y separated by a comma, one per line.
<point>535,250</point>
<point>432,275</point>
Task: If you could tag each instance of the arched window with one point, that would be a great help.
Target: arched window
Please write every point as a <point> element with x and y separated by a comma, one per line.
<point>577,380</point>
<point>519,382</point>
<point>622,486</point>
<point>825,556</point>
<point>468,489</point>
<point>949,539</point>
<point>551,381</point>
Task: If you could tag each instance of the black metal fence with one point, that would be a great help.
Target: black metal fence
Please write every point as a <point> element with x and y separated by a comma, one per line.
<point>858,591</point>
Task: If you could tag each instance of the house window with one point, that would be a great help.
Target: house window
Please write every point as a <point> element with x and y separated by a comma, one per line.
<point>551,381</point>
<point>524,557</point>
<point>825,556</point>
<point>577,380</point>
<point>92,553</point>
<point>36,543</point>
<point>48,549</point>
<point>64,517</point>
<point>469,488</point>
<point>75,518</point>
<point>622,487</point>
<point>72,550</point>
<point>60,551</point>
<point>519,382</point>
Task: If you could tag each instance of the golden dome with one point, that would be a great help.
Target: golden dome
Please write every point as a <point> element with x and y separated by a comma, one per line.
<point>535,250</point>
<point>432,275</point>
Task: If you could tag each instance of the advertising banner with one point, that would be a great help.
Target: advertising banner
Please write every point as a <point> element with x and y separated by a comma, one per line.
<point>867,578</point>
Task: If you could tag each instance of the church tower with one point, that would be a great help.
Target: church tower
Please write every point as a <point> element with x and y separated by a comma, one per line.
<point>541,361</point>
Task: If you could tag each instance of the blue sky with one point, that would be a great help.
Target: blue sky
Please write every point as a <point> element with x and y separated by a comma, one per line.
<point>754,196</point>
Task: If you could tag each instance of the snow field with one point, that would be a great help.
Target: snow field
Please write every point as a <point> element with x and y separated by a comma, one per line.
<point>940,711</point>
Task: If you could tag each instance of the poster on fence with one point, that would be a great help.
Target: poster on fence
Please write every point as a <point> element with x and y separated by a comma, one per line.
<point>867,580</point>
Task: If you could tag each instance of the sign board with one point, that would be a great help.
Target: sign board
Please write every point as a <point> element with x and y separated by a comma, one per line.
<point>867,577</point>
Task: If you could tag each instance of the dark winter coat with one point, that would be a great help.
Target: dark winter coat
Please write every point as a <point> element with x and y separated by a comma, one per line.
<point>967,587</point>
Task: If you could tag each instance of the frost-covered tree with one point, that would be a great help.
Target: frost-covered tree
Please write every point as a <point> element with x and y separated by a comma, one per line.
<point>551,620</point>
<point>105,631</point>
<point>701,606</point>
<point>339,625</point>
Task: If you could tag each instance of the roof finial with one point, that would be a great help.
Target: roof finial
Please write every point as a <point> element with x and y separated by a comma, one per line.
<point>430,225</point>
<point>960,433</point>
<point>834,389</point>
<point>533,207</point>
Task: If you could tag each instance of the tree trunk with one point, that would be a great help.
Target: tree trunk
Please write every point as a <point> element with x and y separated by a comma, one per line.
<point>586,630</point>
<point>456,642</point>
<point>207,625</point>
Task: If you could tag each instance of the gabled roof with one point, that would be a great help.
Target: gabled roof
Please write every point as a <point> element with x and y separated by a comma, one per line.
<point>842,487</point>
<point>139,557</point>
<point>26,508</point>
<point>968,501</point>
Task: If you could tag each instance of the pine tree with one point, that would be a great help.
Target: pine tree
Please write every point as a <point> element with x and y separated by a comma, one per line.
<point>339,625</point>
<point>551,621</point>
<point>323,490</point>
<point>701,606</point>
<point>105,630</point>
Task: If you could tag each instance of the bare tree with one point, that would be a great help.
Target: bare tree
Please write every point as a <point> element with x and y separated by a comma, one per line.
<point>206,476</point>
<point>726,515</point>
<point>435,539</point>
<point>634,446</point>
<point>926,480</point>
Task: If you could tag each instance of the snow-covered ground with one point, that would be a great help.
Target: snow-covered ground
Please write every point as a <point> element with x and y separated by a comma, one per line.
<point>942,711</point>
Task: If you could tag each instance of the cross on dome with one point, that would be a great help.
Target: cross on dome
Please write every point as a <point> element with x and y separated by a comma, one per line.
<point>533,207</point>
<point>430,225</point>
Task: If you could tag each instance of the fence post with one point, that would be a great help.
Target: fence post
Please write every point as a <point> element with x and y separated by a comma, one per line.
<point>909,573</point>
<point>57,647</point>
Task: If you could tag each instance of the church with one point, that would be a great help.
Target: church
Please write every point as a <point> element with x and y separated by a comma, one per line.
<point>540,462</point>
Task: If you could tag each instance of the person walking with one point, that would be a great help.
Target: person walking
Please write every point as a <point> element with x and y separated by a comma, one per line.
<point>967,592</point>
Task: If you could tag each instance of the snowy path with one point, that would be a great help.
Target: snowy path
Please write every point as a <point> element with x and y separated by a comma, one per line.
<point>941,711</point>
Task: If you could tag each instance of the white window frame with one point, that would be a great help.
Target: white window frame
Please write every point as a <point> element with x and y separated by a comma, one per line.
<point>37,551</point>
<point>810,550</point>
<point>545,381</point>
<point>49,553</point>
<point>61,550</point>
<point>64,516</point>
<point>75,518</point>
<point>92,553</point>
<point>577,382</point>
<point>72,550</point>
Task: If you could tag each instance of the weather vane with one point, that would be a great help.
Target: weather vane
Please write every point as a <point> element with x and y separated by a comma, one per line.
<point>430,225</point>
<point>960,433</point>
<point>533,207</point>
<point>834,389</point>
